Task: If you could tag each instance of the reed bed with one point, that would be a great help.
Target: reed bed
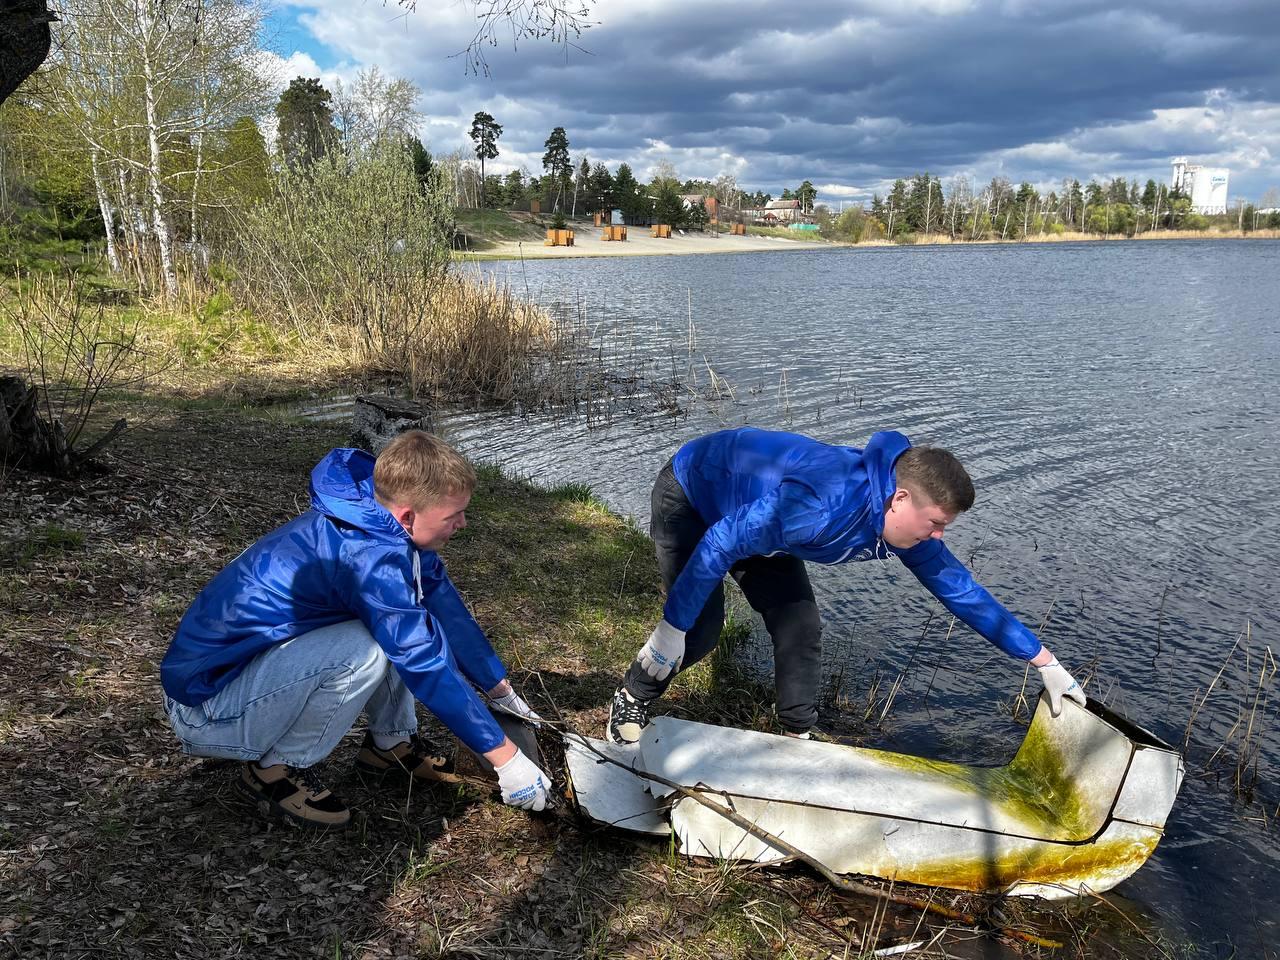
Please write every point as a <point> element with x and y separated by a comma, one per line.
<point>1233,719</point>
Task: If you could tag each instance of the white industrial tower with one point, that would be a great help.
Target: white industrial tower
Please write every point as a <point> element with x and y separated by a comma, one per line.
<point>1206,186</point>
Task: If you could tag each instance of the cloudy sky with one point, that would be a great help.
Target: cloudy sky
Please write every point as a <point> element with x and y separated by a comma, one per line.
<point>846,93</point>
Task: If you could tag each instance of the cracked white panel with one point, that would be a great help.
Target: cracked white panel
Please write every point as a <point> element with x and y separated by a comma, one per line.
<point>610,794</point>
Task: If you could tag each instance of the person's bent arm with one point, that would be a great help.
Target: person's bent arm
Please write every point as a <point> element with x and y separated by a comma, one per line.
<point>475,655</point>
<point>414,641</point>
<point>760,528</point>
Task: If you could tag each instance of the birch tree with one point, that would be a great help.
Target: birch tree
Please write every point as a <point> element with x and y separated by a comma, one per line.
<point>375,109</point>
<point>144,82</point>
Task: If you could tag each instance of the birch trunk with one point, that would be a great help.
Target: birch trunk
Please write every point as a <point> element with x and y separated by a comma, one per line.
<point>195,188</point>
<point>135,226</point>
<point>154,174</point>
<point>108,213</point>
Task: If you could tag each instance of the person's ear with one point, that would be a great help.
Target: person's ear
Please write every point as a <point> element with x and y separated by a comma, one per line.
<point>900,497</point>
<point>405,516</point>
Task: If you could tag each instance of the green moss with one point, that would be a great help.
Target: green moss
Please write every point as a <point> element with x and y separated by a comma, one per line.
<point>1033,788</point>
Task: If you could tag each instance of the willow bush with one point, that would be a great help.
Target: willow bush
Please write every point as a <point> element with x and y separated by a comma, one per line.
<point>354,253</point>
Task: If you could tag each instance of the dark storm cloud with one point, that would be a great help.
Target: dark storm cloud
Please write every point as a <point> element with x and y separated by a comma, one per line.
<point>854,92</point>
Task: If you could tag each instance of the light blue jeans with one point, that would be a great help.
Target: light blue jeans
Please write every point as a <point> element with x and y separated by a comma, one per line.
<point>294,702</point>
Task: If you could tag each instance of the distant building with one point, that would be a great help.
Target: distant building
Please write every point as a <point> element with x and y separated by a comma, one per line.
<point>784,211</point>
<point>1206,186</point>
<point>691,200</point>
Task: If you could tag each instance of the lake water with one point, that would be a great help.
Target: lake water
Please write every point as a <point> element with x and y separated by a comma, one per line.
<point>1118,406</point>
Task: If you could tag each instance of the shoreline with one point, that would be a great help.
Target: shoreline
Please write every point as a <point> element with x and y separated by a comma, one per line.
<point>640,244</point>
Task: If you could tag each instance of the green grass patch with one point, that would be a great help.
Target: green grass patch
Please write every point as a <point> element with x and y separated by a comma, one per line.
<point>786,234</point>
<point>47,541</point>
<point>499,225</point>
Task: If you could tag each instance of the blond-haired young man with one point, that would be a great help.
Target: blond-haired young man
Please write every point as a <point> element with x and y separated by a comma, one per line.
<point>757,504</point>
<point>346,608</point>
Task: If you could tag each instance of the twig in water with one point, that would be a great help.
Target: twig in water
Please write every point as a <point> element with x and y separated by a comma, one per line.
<point>1160,621</point>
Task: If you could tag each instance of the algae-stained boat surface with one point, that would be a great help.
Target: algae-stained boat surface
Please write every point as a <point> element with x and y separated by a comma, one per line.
<point>1081,806</point>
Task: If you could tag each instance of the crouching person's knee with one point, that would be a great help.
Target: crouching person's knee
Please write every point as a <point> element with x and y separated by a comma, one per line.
<point>360,653</point>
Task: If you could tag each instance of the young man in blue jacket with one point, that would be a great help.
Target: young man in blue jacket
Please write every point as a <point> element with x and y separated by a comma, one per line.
<point>344,609</point>
<point>757,504</point>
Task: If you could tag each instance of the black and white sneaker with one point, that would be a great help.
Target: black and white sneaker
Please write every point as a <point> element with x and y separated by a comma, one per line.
<point>627,717</point>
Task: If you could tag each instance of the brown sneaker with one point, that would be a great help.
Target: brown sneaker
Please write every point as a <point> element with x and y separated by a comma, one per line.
<point>295,794</point>
<point>417,758</point>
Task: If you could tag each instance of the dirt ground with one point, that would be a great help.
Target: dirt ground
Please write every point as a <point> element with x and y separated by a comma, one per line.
<point>115,844</point>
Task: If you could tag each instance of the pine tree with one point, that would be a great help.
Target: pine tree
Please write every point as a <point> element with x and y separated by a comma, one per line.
<point>635,205</point>
<point>806,193</point>
<point>600,187</point>
<point>515,188</point>
<point>556,163</point>
<point>422,162</point>
<point>306,131</point>
<point>485,132</point>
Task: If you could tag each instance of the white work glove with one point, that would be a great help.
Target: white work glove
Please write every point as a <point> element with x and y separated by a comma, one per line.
<point>662,652</point>
<point>523,784</point>
<point>514,704</point>
<point>1059,684</point>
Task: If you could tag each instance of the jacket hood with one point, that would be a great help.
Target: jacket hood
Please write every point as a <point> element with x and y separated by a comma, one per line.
<point>856,511</point>
<point>342,488</point>
<point>878,457</point>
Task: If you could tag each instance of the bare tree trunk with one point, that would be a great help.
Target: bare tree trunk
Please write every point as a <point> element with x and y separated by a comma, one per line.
<point>135,226</point>
<point>154,173</point>
<point>108,212</point>
<point>195,188</point>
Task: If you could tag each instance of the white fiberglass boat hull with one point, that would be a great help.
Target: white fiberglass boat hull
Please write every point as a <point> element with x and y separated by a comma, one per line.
<point>1081,806</point>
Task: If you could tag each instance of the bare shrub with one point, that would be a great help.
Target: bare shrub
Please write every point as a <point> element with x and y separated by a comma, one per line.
<point>71,350</point>
<point>354,252</point>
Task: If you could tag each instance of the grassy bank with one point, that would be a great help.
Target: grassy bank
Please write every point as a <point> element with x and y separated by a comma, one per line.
<point>115,844</point>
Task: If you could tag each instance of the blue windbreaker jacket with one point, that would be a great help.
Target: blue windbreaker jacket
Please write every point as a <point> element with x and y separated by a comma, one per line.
<point>762,492</point>
<point>344,559</point>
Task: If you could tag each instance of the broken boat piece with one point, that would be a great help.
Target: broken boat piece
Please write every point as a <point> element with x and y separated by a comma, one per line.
<point>1080,807</point>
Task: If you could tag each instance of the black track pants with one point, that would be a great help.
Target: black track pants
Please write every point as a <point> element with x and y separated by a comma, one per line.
<point>776,587</point>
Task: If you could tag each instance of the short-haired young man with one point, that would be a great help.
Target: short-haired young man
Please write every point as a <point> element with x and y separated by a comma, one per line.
<point>346,608</point>
<point>757,504</point>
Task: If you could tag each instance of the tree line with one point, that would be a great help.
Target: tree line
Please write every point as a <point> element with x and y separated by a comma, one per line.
<point>915,206</point>
<point>921,206</point>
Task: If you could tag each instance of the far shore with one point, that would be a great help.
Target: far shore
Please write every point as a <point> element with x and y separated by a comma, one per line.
<point>640,243</point>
